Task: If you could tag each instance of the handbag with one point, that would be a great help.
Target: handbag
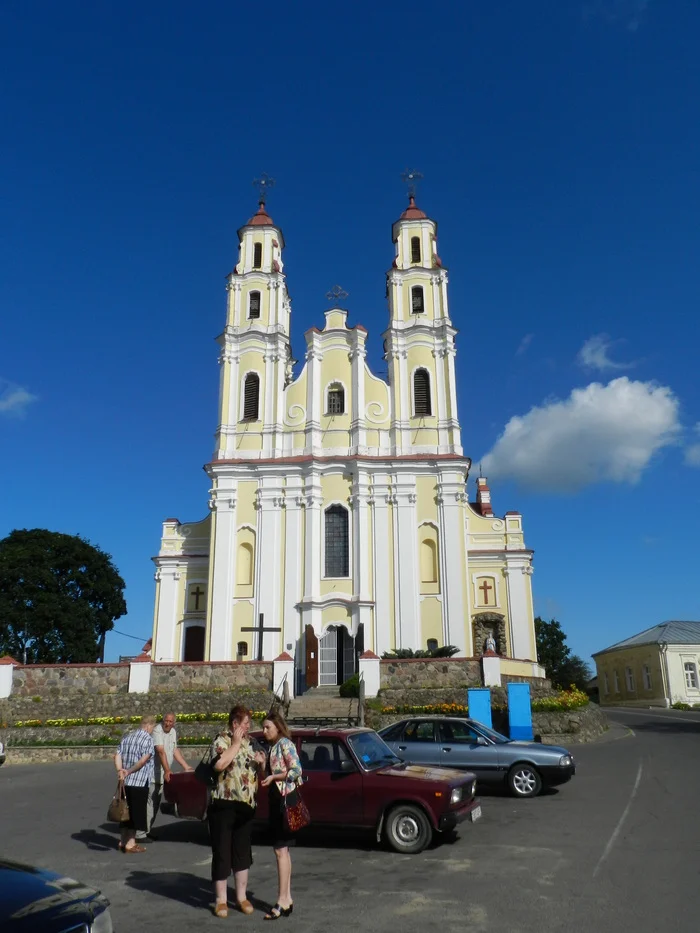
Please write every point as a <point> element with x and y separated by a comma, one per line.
<point>297,815</point>
<point>118,811</point>
<point>205,771</point>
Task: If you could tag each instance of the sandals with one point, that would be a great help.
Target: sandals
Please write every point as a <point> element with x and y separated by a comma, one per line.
<point>134,849</point>
<point>245,907</point>
<point>221,910</point>
<point>277,911</point>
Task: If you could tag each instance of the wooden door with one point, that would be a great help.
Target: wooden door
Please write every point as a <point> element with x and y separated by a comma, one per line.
<point>194,643</point>
<point>311,656</point>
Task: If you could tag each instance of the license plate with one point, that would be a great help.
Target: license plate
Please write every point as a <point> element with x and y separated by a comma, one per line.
<point>475,814</point>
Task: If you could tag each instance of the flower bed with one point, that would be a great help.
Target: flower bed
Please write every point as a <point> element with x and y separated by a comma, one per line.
<point>117,720</point>
<point>561,701</point>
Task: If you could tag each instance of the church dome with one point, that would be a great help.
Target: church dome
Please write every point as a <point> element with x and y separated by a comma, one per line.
<point>261,218</point>
<point>412,212</point>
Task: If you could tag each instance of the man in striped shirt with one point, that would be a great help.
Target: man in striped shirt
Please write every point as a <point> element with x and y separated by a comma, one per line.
<point>134,764</point>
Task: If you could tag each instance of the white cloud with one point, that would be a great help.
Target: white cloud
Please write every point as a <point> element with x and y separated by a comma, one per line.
<point>524,344</point>
<point>626,13</point>
<point>692,451</point>
<point>601,432</point>
<point>14,400</point>
<point>594,354</point>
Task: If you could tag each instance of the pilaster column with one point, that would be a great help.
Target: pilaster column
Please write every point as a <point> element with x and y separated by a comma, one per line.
<point>224,574</point>
<point>313,398</point>
<point>234,290</point>
<point>443,436</point>
<point>358,425</point>
<point>230,362</point>
<point>451,500</point>
<point>271,357</point>
<point>312,549</point>
<point>268,582</point>
<point>406,545</point>
<point>383,566</point>
<point>293,563</point>
<point>517,574</point>
<point>452,394</point>
<point>168,580</point>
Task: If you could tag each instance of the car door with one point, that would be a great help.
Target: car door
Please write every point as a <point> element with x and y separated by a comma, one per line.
<point>332,794</point>
<point>461,746</point>
<point>418,743</point>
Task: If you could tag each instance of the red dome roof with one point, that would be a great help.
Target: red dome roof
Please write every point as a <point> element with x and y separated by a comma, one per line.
<point>261,219</point>
<point>412,212</point>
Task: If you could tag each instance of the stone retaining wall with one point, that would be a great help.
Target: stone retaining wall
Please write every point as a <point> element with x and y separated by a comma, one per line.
<point>53,679</point>
<point>72,705</point>
<point>28,756</point>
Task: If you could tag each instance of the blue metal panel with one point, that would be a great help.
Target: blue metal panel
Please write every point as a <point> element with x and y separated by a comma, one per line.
<point>520,712</point>
<point>479,701</point>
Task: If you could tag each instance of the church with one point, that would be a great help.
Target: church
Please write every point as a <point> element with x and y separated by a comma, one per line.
<point>339,521</point>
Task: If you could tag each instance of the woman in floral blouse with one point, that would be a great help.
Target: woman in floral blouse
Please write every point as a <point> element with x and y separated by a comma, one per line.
<point>232,809</point>
<point>285,775</point>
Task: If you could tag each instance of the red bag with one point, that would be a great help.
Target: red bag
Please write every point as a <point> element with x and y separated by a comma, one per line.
<point>296,815</point>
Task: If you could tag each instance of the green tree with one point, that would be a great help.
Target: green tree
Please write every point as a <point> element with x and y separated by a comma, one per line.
<point>563,668</point>
<point>59,596</point>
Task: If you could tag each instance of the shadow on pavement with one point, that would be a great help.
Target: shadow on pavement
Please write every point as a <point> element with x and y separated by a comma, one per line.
<point>183,887</point>
<point>101,842</point>
<point>668,727</point>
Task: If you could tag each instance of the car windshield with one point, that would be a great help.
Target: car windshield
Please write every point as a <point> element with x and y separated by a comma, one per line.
<point>371,750</point>
<point>490,733</point>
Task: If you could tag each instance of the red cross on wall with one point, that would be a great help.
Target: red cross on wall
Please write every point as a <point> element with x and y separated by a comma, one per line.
<point>485,589</point>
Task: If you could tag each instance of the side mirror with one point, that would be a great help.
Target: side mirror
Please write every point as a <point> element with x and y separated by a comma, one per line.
<point>481,740</point>
<point>346,766</point>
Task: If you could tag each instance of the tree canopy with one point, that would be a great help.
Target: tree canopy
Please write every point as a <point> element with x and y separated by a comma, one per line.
<point>59,595</point>
<point>563,668</point>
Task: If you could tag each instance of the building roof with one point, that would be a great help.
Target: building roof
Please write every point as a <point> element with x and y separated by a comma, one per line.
<point>261,218</point>
<point>413,212</point>
<point>667,633</point>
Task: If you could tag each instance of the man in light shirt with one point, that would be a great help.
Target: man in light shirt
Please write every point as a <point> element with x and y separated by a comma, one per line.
<point>166,752</point>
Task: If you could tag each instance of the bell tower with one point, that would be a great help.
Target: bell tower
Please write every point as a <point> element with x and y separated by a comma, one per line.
<point>419,344</point>
<point>255,357</point>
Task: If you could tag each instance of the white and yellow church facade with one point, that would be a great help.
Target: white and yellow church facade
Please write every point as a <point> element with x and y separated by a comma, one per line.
<point>339,520</point>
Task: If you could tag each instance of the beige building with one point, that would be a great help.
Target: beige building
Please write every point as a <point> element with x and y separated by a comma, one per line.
<point>657,667</point>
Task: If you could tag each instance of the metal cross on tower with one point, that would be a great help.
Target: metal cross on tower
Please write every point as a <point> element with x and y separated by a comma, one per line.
<point>411,179</point>
<point>263,184</point>
<point>336,294</point>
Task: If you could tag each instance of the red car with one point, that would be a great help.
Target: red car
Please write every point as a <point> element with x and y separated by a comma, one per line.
<point>352,779</point>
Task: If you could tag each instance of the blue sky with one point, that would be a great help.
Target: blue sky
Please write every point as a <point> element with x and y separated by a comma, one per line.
<point>560,147</point>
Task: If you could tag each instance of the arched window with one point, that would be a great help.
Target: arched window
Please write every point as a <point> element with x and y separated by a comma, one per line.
<point>421,393</point>
<point>336,400</point>
<point>257,256</point>
<point>428,561</point>
<point>415,249</point>
<point>337,543</point>
<point>417,304</point>
<point>251,397</point>
<point>241,650</point>
<point>254,305</point>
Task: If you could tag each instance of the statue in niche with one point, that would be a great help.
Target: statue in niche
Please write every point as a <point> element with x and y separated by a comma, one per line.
<point>490,643</point>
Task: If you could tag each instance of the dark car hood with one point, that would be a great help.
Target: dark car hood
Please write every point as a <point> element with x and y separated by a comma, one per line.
<point>426,773</point>
<point>32,894</point>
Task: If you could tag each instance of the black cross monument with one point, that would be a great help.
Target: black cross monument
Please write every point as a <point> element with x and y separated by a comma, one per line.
<point>260,628</point>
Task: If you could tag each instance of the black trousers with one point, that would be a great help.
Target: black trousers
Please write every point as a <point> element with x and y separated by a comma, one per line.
<point>137,798</point>
<point>230,829</point>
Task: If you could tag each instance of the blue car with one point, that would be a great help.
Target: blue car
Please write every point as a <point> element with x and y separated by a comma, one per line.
<point>524,768</point>
<point>33,900</point>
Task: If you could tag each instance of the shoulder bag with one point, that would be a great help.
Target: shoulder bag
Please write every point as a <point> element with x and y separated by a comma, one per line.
<point>205,770</point>
<point>118,811</point>
<point>296,815</point>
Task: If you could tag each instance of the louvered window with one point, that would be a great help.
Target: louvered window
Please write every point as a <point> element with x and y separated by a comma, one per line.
<point>417,306</point>
<point>421,393</point>
<point>254,308</point>
<point>415,249</point>
<point>337,544</point>
<point>257,256</point>
<point>336,400</point>
<point>251,397</point>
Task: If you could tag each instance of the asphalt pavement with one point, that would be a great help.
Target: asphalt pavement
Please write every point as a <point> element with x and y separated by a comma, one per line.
<point>616,849</point>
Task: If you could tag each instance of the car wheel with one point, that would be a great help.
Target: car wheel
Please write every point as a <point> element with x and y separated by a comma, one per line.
<point>408,829</point>
<point>524,781</point>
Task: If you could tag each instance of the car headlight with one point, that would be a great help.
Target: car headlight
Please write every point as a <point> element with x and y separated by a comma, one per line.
<point>456,796</point>
<point>565,761</point>
<point>102,923</point>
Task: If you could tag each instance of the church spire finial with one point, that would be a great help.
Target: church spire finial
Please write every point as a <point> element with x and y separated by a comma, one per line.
<point>263,184</point>
<point>411,179</point>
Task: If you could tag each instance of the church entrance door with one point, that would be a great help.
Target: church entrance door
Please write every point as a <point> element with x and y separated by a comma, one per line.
<point>337,656</point>
<point>194,643</point>
<point>311,644</point>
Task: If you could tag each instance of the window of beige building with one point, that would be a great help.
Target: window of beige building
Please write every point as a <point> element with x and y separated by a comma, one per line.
<point>606,683</point>
<point>629,676</point>
<point>616,681</point>
<point>691,675</point>
<point>646,674</point>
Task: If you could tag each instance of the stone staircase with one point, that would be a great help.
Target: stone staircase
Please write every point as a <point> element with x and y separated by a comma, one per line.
<point>323,706</point>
